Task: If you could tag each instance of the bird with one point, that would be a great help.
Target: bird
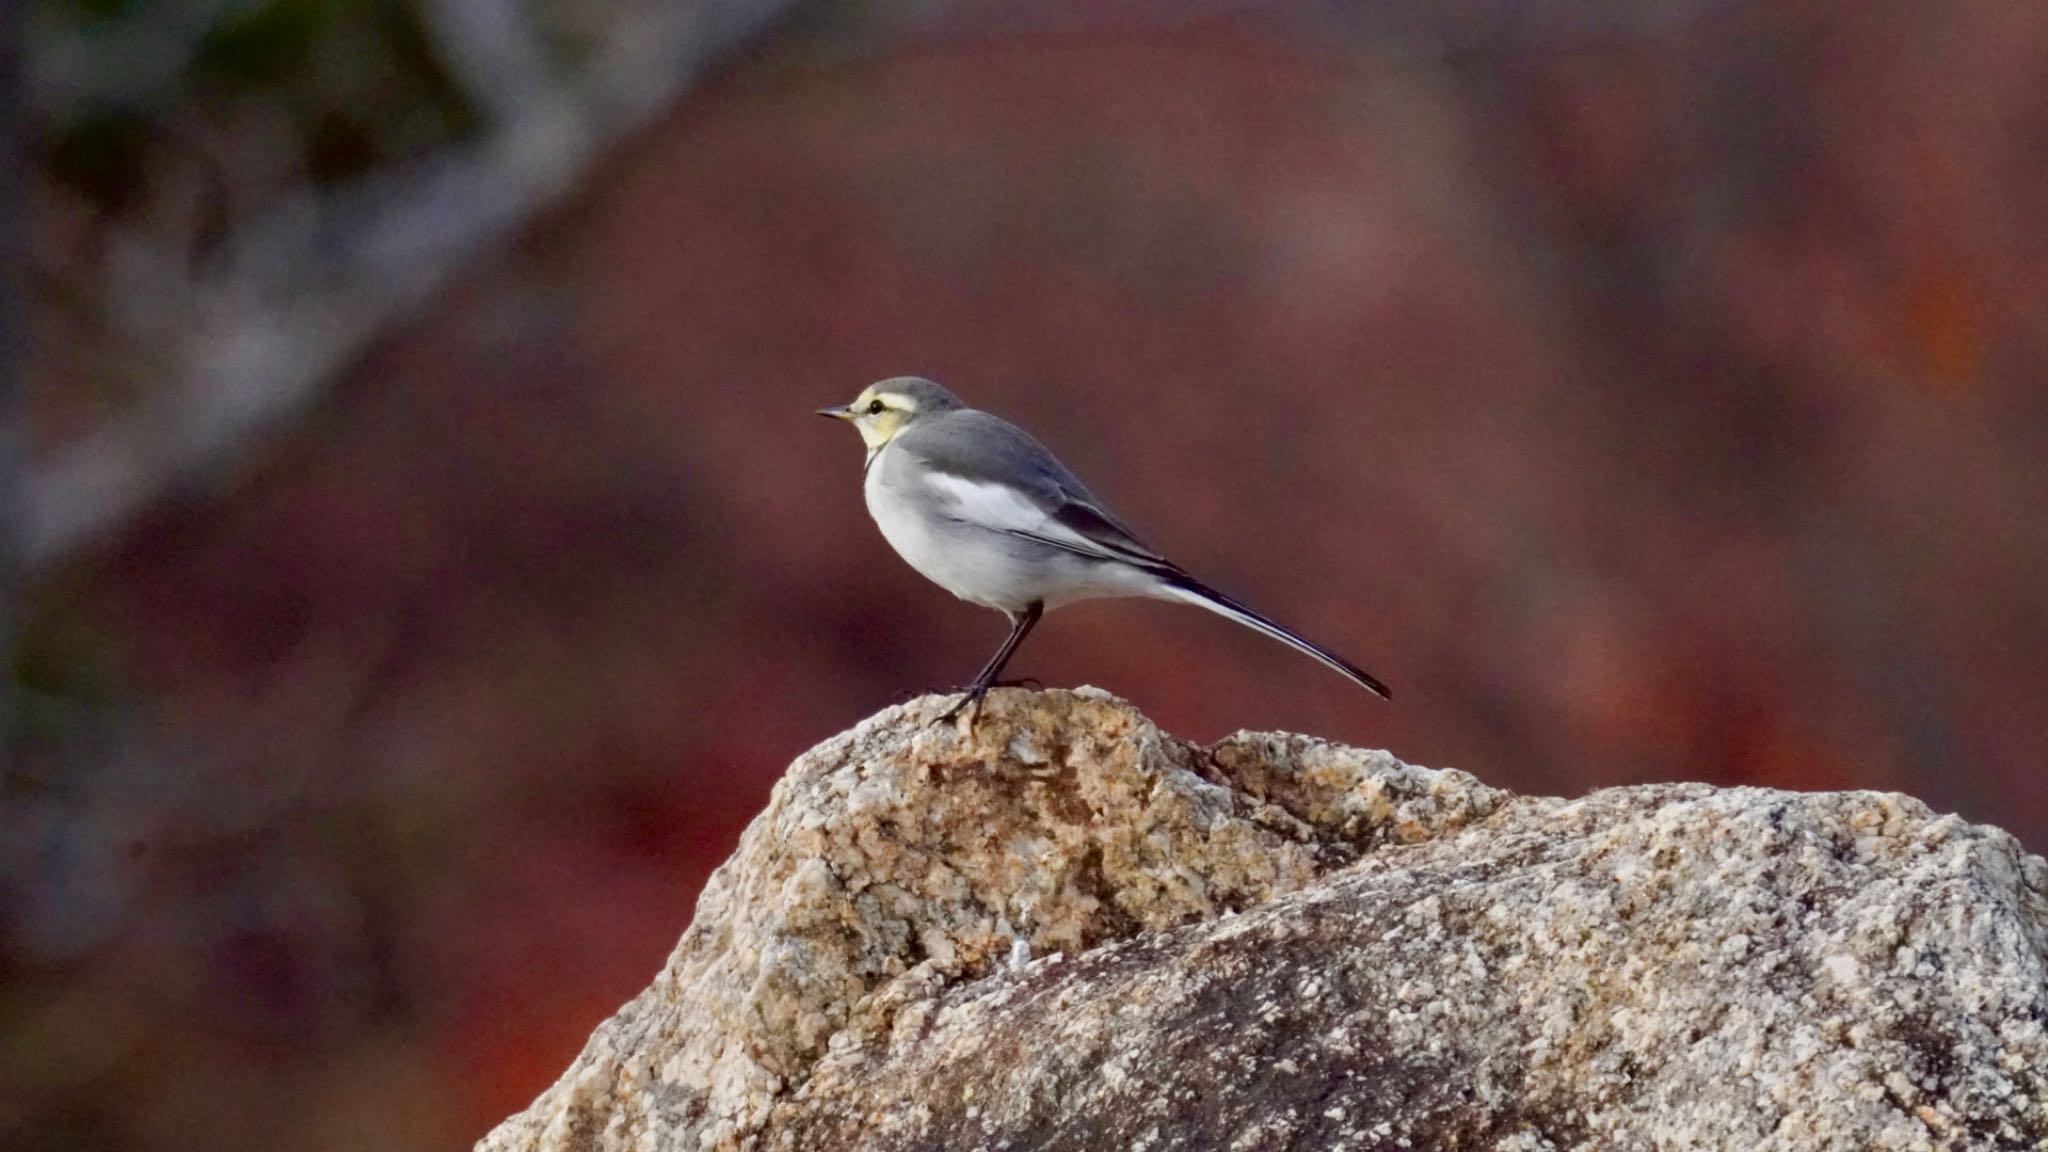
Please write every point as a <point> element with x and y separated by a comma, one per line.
<point>980,508</point>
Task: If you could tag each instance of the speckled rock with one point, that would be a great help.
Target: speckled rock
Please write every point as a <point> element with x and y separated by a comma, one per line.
<point>1066,930</point>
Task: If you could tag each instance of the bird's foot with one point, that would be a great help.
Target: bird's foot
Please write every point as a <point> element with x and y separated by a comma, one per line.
<point>973,692</point>
<point>970,700</point>
<point>982,689</point>
<point>1030,682</point>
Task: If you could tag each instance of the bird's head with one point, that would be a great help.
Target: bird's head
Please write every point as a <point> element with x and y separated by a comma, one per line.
<point>883,410</point>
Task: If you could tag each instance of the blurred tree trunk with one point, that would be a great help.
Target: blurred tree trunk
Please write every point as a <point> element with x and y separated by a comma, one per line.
<point>13,336</point>
<point>239,344</point>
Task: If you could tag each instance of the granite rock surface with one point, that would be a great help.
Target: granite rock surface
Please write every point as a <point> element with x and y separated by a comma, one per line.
<point>1064,929</point>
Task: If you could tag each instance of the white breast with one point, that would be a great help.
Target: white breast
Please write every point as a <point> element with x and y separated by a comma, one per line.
<point>978,565</point>
<point>955,532</point>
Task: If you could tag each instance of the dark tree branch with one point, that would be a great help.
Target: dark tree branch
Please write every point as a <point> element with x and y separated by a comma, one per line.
<point>13,338</point>
<point>257,336</point>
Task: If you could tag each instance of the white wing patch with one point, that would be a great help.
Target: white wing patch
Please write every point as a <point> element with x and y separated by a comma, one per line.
<point>1004,508</point>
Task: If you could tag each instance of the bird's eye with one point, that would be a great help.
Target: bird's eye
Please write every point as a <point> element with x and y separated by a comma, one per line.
<point>876,407</point>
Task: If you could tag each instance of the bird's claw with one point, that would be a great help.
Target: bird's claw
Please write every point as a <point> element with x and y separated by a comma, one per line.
<point>970,698</point>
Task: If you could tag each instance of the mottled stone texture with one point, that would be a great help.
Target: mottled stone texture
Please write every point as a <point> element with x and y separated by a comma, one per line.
<point>1067,930</point>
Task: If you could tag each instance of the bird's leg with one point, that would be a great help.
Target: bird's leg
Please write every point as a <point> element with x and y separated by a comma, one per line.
<point>1021,624</point>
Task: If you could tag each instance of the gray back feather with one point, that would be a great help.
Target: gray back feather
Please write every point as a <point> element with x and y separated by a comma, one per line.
<point>980,447</point>
<point>930,398</point>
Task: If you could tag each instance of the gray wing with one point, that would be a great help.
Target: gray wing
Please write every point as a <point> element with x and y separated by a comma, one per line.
<point>988,452</point>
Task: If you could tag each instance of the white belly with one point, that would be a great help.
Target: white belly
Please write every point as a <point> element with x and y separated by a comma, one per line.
<point>985,565</point>
<point>976,567</point>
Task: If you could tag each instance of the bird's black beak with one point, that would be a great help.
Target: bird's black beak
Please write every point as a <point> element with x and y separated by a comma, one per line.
<point>842,412</point>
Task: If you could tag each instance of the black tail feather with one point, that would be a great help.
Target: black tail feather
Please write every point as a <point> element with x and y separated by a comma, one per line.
<point>1193,591</point>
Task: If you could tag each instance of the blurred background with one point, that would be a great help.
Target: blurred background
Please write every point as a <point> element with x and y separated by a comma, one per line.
<point>422,560</point>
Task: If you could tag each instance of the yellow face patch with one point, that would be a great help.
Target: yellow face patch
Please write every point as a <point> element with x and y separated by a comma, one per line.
<point>879,416</point>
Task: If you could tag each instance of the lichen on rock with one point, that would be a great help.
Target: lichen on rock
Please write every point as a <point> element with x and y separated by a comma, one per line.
<point>1064,929</point>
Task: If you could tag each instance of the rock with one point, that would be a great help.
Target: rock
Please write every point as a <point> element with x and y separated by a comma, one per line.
<point>1070,931</point>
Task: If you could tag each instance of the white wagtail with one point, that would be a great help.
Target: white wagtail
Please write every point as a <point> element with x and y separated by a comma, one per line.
<point>984,511</point>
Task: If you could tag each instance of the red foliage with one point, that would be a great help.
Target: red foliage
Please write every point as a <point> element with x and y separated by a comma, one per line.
<point>1645,408</point>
